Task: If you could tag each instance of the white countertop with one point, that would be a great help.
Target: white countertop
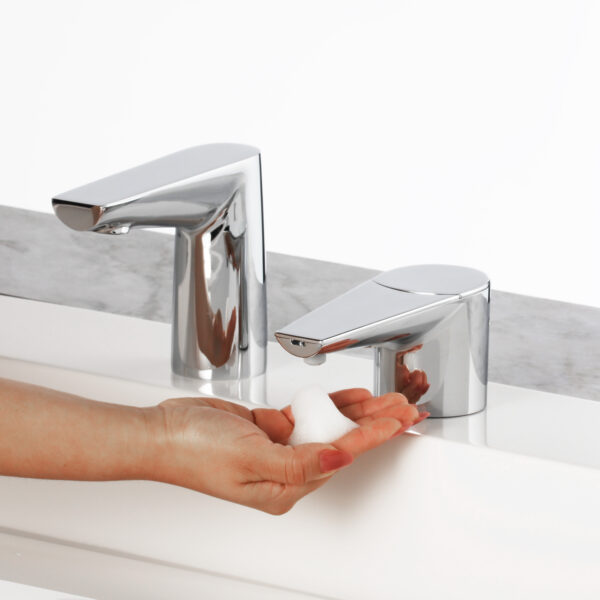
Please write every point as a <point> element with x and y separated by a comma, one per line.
<point>502,504</point>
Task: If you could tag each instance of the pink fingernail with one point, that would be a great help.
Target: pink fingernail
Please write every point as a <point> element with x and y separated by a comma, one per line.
<point>331,460</point>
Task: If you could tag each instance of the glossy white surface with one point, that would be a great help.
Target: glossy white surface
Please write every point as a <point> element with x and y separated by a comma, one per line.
<point>496,505</point>
<point>111,576</point>
<point>19,591</point>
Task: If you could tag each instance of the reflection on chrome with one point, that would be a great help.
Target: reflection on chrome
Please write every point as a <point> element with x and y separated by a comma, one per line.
<point>407,380</point>
<point>215,340</point>
<point>428,326</point>
<point>212,196</point>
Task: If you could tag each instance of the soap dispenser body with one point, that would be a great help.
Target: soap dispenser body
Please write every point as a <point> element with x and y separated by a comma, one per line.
<point>428,318</point>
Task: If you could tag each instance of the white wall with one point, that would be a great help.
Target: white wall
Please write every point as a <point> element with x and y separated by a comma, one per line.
<point>392,132</point>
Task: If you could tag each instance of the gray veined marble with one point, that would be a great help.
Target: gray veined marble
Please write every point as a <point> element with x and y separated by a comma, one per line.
<point>534,343</point>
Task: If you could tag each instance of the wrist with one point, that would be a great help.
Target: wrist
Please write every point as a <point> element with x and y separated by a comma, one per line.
<point>155,443</point>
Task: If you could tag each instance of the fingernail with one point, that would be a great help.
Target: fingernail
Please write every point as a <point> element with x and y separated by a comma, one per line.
<point>330,460</point>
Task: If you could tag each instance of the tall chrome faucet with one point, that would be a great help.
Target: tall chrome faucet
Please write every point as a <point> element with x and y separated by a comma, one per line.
<point>432,318</point>
<point>212,196</point>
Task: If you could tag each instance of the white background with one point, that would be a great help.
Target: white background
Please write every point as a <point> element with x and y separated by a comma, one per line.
<point>392,133</point>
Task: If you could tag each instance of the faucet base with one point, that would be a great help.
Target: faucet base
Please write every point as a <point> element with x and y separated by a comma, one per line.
<point>250,390</point>
<point>453,355</point>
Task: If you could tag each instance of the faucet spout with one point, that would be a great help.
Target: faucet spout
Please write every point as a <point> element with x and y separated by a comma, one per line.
<point>433,318</point>
<point>212,196</point>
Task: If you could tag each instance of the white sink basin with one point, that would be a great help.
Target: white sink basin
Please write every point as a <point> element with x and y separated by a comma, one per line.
<point>503,504</point>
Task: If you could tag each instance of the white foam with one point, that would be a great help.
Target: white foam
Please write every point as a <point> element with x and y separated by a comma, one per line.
<point>316,418</point>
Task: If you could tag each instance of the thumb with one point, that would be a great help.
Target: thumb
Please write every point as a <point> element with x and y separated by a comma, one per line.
<point>332,459</point>
<point>310,462</point>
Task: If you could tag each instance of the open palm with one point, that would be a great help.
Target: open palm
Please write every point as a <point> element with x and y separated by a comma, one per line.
<point>226,450</point>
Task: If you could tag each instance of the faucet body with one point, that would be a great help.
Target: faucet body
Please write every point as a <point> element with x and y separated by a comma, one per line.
<point>433,318</point>
<point>212,196</point>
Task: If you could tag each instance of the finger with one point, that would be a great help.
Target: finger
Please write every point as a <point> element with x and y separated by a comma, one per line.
<point>340,398</point>
<point>405,428</point>
<point>274,423</point>
<point>373,404</point>
<point>343,398</point>
<point>422,417</point>
<point>407,414</point>
<point>368,436</point>
<point>289,415</point>
<point>402,430</point>
<point>302,464</point>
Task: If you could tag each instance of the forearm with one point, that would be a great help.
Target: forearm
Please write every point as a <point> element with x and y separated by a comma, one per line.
<point>49,434</point>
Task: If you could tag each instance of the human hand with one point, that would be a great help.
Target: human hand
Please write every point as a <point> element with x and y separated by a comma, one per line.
<point>228,451</point>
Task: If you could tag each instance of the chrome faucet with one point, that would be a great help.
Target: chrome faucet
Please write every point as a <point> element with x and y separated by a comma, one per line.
<point>212,196</point>
<point>433,318</point>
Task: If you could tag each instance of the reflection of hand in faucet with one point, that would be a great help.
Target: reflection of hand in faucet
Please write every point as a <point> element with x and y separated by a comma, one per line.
<point>413,384</point>
<point>214,339</point>
<point>205,444</point>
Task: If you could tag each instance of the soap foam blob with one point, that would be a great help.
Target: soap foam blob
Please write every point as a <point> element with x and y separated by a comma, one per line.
<point>316,418</point>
